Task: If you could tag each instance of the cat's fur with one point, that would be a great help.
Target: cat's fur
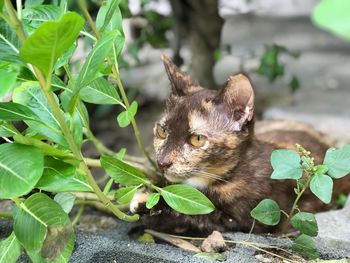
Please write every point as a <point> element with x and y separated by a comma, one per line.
<point>233,167</point>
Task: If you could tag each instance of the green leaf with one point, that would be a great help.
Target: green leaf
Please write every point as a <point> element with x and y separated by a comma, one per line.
<point>338,161</point>
<point>306,246</point>
<point>120,154</point>
<point>30,3</point>
<point>7,130</point>
<point>124,118</point>
<point>211,256</point>
<point>122,172</point>
<point>20,169</point>
<point>286,165</point>
<point>109,9</point>
<point>152,200</point>
<point>50,41</point>
<point>305,223</point>
<point>333,16</point>
<point>62,177</point>
<point>7,81</point>
<point>31,95</point>
<point>65,200</point>
<point>10,249</point>
<point>64,59</point>
<point>322,186</point>
<point>100,91</point>
<point>267,212</point>
<point>186,199</point>
<point>125,194</point>
<point>321,169</point>
<point>1,5</point>
<point>10,111</point>
<point>35,215</point>
<point>9,44</point>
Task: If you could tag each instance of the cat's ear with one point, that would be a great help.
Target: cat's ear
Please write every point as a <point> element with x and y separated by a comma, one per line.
<point>238,96</point>
<point>181,84</point>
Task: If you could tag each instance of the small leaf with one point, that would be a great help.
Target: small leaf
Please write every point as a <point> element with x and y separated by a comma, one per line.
<point>305,245</point>
<point>120,155</point>
<point>124,118</point>
<point>20,169</point>
<point>286,165</point>
<point>267,212</point>
<point>211,256</point>
<point>50,41</point>
<point>7,80</point>
<point>338,161</point>
<point>186,199</point>
<point>10,249</point>
<point>109,9</point>
<point>10,111</point>
<point>152,200</point>
<point>65,200</point>
<point>322,186</point>
<point>305,223</point>
<point>146,238</point>
<point>321,169</point>
<point>122,172</point>
<point>125,194</point>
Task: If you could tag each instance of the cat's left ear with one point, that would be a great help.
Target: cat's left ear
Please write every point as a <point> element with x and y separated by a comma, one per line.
<point>181,84</point>
<point>238,96</point>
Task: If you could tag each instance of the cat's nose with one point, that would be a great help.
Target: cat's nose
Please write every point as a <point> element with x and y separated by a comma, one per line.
<point>163,164</point>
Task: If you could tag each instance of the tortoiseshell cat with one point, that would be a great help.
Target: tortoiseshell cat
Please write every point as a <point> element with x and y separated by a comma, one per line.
<point>206,139</point>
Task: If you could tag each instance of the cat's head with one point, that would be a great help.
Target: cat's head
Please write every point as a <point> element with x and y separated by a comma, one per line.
<point>202,132</point>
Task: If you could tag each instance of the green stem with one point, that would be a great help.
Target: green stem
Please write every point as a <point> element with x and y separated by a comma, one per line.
<point>78,215</point>
<point>19,9</point>
<point>299,196</point>
<point>6,215</point>
<point>15,23</point>
<point>83,8</point>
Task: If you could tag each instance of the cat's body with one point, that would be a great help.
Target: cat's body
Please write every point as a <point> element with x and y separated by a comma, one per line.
<point>206,139</point>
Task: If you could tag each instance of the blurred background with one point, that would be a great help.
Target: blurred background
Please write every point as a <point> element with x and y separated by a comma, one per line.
<point>297,57</point>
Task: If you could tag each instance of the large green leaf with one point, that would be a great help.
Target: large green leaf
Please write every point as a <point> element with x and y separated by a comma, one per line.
<point>34,16</point>
<point>306,246</point>
<point>122,172</point>
<point>100,91</point>
<point>305,223</point>
<point>35,216</point>
<point>10,111</point>
<point>31,95</point>
<point>21,167</point>
<point>50,41</point>
<point>62,177</point>
<point>7,130</point>
<point>186,199</point>
<point>338,161</point>
<point>10,249</point>
<point>9,44</point>
<point>333,15</point>
<point>125,117</point>
<point>267,212</point>
<point>322,186</point>
<point>286,165</point>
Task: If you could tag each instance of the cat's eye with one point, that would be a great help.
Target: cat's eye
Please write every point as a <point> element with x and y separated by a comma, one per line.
<point>161,132</point>
<point>198,140</point>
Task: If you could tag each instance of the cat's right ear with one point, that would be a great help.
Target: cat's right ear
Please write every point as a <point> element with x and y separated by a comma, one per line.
<point>181,84</point>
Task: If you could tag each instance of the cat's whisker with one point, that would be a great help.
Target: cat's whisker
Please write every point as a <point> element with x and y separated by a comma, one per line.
<point>210,176</point>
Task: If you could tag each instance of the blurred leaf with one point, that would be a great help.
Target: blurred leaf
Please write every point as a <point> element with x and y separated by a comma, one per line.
<point>10,111</point>
<point>186,199</point>
<point>322,186</point>
<point>20,169</point>
<point>152,200</point>
<point>9,44</point>
<point>267,212</point>
<point>100,91</point>
<point>269,65</point>
<point>65,200</point>
<point>305,245</point>
<point>10,249</point>
<point>146,238</point>
<point>338,161</point>
<point>333,15</point>
<point>125,194</point>
<point>59,176</point>
<point>341,200</point>
<point>122,172</point>
<point>50,41</point>
<point>286,164</point>
<point>305,223</point>
<point>124,118</point>
<point>294,84</point>
<point>211,256</point>
<point>30,3</point>
<point>7,81</point>
<point>120,155</point>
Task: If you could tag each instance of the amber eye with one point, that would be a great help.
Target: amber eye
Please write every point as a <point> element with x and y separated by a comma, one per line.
<point>198,140</point>
<point>161,132</point>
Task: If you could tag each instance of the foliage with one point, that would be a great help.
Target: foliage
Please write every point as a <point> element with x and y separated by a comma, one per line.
<point>36,44</point>
<point>299,166</point>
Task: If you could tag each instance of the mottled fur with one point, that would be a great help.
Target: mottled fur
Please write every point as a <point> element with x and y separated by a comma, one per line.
<point>233,166</point>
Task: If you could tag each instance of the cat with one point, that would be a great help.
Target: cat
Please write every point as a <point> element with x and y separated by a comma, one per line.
<point>206,139</point>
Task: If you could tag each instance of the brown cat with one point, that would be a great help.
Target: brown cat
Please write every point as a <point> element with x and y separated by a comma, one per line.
<point>206,139</point>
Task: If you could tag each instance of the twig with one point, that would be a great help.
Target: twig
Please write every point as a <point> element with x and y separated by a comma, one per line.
<point>78,215</point>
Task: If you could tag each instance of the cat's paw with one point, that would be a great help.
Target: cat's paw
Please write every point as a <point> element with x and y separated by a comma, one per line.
<point>138,202</point>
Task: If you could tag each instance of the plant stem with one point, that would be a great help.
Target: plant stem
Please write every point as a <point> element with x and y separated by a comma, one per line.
<point>6,215</point>
<point>19,9</point>
<point>298,197</point>
<point>78,215</point>
<point>92,162</point>
<point>46,87</point>
<point>83,8</point>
